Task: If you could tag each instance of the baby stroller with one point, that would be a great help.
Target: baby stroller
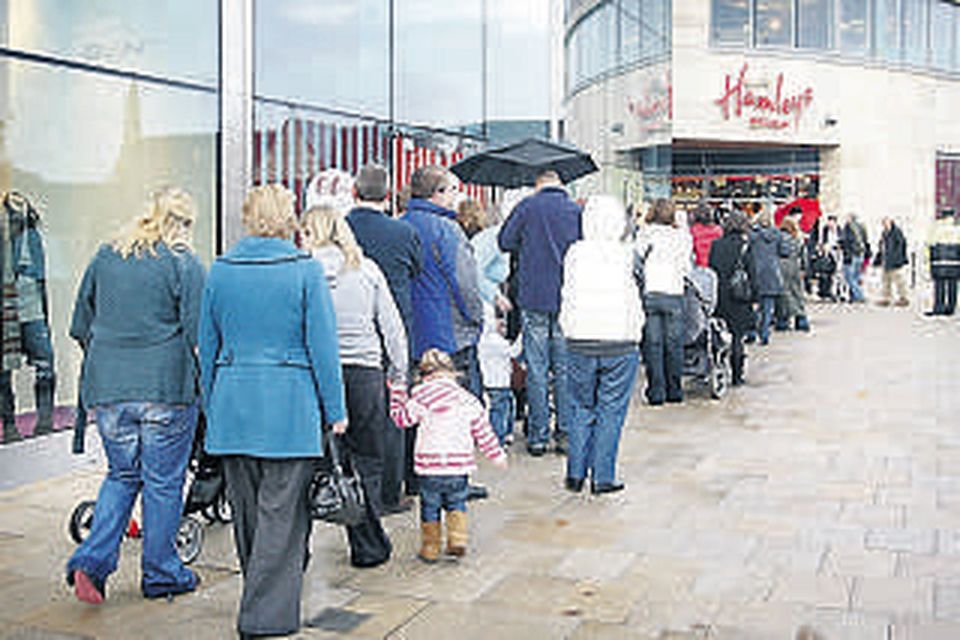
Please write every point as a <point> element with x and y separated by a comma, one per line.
<point>206,494</point>
<point>706,340</point>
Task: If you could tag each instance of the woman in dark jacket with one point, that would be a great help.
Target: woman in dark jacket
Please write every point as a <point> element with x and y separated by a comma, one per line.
<point>136,320</point>
<point>768,246</point>
<point>726,254</point>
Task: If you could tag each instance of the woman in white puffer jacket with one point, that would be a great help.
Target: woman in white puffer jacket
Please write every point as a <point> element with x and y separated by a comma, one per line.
<point>602,319</point>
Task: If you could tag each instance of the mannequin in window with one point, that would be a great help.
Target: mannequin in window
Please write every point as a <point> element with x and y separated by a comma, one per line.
<point>25,315</point>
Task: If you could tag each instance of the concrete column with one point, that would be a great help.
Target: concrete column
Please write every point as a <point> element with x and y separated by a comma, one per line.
<point>236,115</point>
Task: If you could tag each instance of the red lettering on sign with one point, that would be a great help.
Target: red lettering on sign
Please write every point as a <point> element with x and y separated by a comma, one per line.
<point>764,109</point>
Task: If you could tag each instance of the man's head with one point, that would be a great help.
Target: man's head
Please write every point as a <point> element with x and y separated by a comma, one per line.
<point>433,183</point>
<point>371,187</point>
<point>851,217</point>
<point>548,178</point>
<point>887,223</point>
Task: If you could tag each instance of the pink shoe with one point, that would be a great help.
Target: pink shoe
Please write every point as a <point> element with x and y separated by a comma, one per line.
<point>85,589</point>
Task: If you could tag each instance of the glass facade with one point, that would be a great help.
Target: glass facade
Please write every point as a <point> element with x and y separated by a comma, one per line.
<point>104,101</point>
<point>614,36</point>
<point>917,33</point>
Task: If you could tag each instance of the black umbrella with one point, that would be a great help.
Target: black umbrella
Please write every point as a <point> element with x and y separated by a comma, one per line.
<point>518,164</point>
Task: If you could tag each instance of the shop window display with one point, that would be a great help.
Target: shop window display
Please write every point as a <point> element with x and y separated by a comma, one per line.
<point>774,23</point>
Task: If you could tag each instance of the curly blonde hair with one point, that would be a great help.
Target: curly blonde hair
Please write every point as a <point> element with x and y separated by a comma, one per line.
<point>169,217</point>
<point>435,361</point>
<point>268,212</point>
<point>323,225</point>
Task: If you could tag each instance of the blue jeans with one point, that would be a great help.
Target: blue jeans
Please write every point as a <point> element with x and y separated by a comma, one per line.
<point>767,306</point>
<point>601,388</point>
<point>852,273</point>
<point>545,350</point>
<point>663,347</point>
<point>147,446</point>
<point>501,411</point>
<point>447,492</point>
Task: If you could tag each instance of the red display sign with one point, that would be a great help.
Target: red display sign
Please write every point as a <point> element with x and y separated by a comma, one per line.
<point>948,183</point>
<point>764,110</point>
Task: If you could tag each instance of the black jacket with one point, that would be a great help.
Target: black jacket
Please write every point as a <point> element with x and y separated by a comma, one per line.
<point>724,253</point>
<point>893,249</point>
<point>768,245</point>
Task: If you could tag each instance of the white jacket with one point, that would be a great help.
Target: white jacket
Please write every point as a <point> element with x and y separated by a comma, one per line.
<point>671,250</point>
<point>496,353</point>
<point>599,299</point>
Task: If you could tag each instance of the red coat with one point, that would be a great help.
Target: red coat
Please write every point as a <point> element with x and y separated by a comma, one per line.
<point>703,237</point>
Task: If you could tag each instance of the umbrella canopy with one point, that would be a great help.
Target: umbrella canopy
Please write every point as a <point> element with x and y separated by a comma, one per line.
<point>810,211</point>
<point>517,165</point>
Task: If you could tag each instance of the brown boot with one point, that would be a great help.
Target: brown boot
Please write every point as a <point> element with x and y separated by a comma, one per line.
<point>429,541</point>
<point>456,533</point>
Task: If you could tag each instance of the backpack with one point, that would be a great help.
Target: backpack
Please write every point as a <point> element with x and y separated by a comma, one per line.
<point>740,287</point>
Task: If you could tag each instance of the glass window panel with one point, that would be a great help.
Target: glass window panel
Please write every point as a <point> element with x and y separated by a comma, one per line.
<point>886,30</point>
<point>177,38</point>
<point>631,30</point>
<point>87,162</point>
<point>814,23</point>
<point>439,62</point>
<point>656,27</point>
<point>730,22</point>
<point>956,38</point>
<point>852,27</point>
<point>915,46</point>
<point>774,23</point>
<point>942,29</point>
<point>333,53</point>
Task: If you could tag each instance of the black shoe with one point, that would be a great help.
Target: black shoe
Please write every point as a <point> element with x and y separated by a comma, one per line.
<point>398,507</point>
<point>932,313</point>
<point>536,450</point>
<point>560,446</point>
<point>676,400</point>
<point>611,487</point>
<point>738,382</point>
<point>477,492</point>
<point>153,593</point>
<point>573,484</point>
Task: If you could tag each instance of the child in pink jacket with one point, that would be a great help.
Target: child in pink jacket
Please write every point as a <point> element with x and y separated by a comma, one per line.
<point>452,421</point>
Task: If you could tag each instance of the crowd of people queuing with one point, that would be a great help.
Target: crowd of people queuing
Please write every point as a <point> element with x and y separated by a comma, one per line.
<point>415,329</point>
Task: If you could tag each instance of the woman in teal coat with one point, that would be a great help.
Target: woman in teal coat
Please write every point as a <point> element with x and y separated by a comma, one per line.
<point>270,376</point>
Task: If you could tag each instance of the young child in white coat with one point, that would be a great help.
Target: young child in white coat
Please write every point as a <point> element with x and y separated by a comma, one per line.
<point>496,356</point>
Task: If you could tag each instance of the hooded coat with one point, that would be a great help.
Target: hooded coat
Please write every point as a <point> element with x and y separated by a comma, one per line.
<point>724,254</point>
<point>768,246</point>
<point>600,298</point>
<point>269,360</point>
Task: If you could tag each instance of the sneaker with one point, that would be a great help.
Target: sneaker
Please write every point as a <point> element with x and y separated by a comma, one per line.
<point>477,492</point>
<point>536,450</point>
<point>608,487</point>
<point>508,440</point>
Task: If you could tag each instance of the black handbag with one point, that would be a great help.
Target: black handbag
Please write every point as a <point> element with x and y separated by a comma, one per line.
<point>336,495</point>
<point>740,289</point>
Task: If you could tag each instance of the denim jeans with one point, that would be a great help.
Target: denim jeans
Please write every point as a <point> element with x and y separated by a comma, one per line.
<point>501,411</point>
<point>663,347</point>
<point>767,306</point>
<point>600,388</point>
<point>147,446</point>
<point>545,350</point>
<point>853,273</point>
<point>447,492</point>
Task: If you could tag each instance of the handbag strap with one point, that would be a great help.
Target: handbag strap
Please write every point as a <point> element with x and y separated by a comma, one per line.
<point>331,444</point>
<point>743,251</point>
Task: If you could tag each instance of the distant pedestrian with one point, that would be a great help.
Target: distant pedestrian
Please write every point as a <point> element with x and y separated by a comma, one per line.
<point>892,258</point>
<point>539,230</point>
<point>271,379</point>
<point>943,255</point>
<point>728,255</point>
<point>855,249</point>
<point>452,422</point>
<point>496,355</point>
<point>471,217</point>
<point>791,305</point>
<point>135,318</point>
<point>666,251</point>
<point>601,314</point>
<point>768,246</point>
<point>395,247</point>
<point>704,231</point>
<point>371,335</point>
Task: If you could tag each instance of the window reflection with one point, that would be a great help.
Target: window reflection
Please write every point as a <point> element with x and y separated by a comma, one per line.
<point>887,30</point>
<point>942,30</point>
<point>915,32</point>
<point>774,23</point>
<point>730,22</point>
<point>852,28</point>
<point>814,21</point>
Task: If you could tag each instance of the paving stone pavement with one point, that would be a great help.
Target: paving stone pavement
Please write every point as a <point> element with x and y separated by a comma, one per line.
<point>821,501</point>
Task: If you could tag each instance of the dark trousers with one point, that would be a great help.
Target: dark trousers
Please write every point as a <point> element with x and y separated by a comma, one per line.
<point>394,451</point>
<point>663,347</point>
<point>468,366</point>
<point>364,440</point>
<point>944,296</point>
<point>737,355</point>
<point>271,527</point>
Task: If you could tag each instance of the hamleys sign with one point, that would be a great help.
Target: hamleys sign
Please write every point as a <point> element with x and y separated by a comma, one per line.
<point>770,109</point>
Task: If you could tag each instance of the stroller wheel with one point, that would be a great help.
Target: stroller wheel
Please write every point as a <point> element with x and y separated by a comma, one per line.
<point>81,520</point>
<point>189,539</point>
<point>720,375</point>
<point>221,509</point>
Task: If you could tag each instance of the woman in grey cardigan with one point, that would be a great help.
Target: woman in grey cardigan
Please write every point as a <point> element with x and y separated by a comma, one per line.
<point>371,334</point>
<point>136,319</point>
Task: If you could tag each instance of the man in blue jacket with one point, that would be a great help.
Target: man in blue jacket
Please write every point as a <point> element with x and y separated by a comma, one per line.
<point>540,229</point>
<point>395,246</point>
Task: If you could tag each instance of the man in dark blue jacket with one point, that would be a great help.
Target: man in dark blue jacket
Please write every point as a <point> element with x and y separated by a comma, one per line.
<point>395,246</point>
<point>540,229</point>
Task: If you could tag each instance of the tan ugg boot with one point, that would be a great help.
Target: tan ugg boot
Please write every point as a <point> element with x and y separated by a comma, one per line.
<point>456,533</point>
<point>430,539</point>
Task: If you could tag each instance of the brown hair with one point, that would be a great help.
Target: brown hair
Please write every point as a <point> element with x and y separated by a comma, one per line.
<point>427,180</point>
<point>662,212</point>
<point>790,226</point>
<point>471,216</point>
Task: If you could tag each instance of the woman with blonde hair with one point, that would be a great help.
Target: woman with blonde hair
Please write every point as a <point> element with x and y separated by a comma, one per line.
<point>270,375</point>
<point>370,333</point>
<point>135,318</point>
